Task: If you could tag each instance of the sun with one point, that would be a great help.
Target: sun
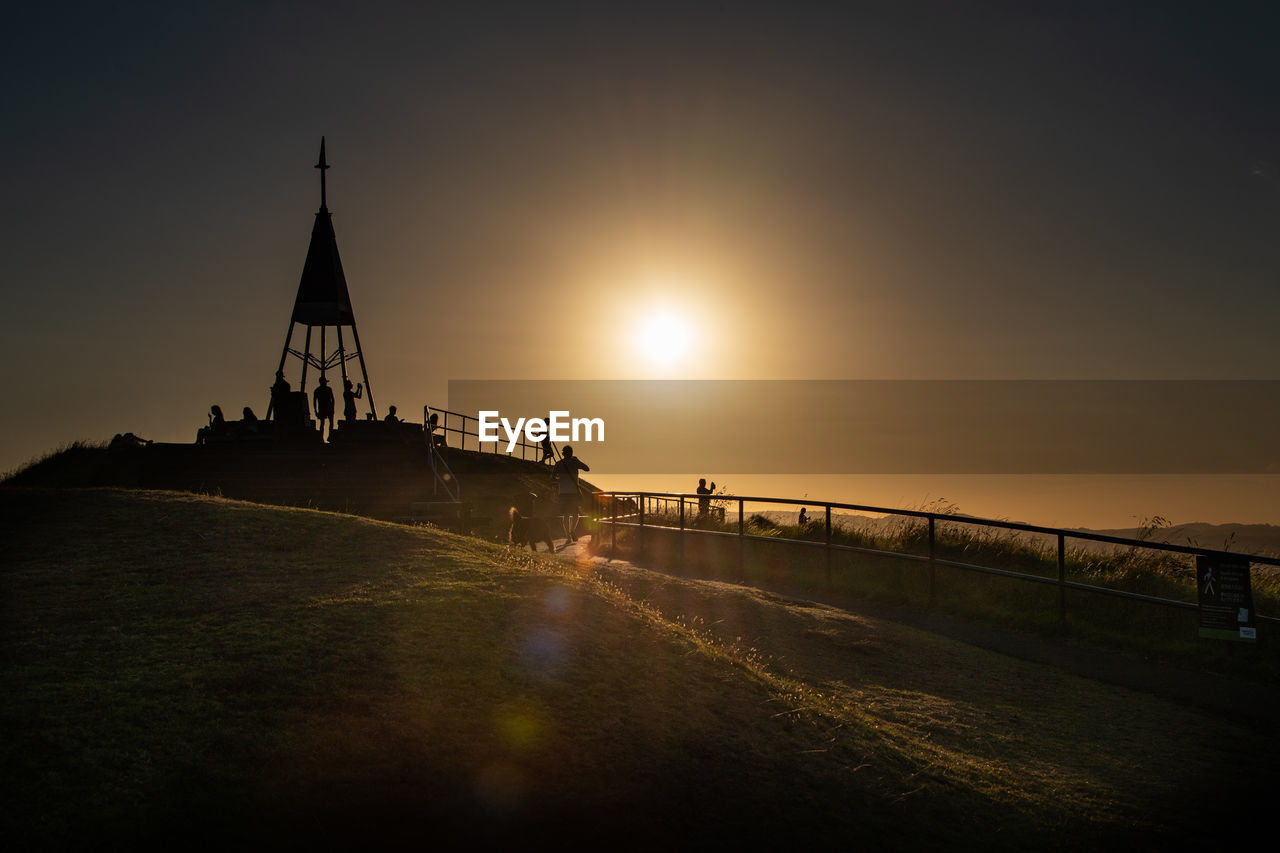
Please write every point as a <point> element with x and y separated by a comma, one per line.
<point>664,337</point>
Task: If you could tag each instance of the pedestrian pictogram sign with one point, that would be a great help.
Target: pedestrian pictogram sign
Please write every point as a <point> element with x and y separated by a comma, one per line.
<point>1226,598</point>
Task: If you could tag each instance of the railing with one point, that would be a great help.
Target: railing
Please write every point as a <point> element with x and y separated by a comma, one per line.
<point>629,510</point>
<point>455,424</point>
<point>442,475</point>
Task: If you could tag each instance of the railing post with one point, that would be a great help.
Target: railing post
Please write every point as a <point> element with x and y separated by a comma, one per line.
<point>682,534</point>
<point>1062,581</point>
<point>741,539</point>
<point>613,527</point>
<point>828,549</point>
<point>933,565</point>
<point>640,534</point>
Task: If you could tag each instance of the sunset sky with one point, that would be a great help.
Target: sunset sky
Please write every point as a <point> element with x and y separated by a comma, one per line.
<point>946,190</point>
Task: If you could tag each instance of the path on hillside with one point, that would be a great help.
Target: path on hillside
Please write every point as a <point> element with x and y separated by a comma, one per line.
<point>1248,701</point>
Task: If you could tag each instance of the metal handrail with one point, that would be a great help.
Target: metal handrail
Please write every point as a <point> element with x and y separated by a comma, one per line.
<point>960,519</point>
<point>649,499</point>
<point>444,427</point>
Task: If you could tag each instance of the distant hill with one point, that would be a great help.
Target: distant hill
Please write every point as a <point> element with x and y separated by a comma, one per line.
<point>1259,539</point>
<point>1262,539</point>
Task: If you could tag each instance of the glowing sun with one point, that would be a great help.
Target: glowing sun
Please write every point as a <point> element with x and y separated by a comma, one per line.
<point>664,337</point>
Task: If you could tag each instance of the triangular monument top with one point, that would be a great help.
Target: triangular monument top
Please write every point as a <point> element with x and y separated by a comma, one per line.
<point>323,301</point>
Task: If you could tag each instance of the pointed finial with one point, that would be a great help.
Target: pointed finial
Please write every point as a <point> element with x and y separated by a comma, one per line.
<point>322,166</point>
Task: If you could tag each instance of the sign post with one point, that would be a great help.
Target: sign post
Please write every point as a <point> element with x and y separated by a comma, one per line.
<point>1226,598</point>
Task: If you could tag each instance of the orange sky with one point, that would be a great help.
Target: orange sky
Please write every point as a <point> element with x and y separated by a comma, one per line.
<point>820,191</point>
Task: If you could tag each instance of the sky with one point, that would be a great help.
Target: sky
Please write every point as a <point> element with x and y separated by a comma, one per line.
<point>892,191</point>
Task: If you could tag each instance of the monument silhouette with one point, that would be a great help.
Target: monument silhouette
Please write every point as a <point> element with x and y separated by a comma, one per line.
<point>323,302</point>
<point>390,468</point>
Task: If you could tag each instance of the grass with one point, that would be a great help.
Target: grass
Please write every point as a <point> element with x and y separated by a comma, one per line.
<point>389,490</point>
<point>1149,629</point>
<point>77,463</point>
<point>191,670</point>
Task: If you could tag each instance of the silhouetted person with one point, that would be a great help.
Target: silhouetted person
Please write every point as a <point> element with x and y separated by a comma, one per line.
<point>279,393</point>
<point>704,503</point>
<point>567,470</point>
<point>249,420</point>
<point>128,439</point>
<point>804,518</point>
<point>217,425</point>
<point>548,450</point>
<point>349,398</point>
<point>434,439</point>
<point>391,416</point>
<point>322,402</point>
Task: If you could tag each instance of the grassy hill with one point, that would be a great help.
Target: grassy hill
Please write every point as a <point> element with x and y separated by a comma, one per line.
<point>379,481</point>
<point>201,671</point>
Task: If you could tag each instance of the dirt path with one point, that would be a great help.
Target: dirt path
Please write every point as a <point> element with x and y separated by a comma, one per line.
<point>1250,702</point>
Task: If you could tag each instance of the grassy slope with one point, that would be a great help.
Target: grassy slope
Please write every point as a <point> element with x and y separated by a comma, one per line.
<point>189,667</point>
<point>492,482</point>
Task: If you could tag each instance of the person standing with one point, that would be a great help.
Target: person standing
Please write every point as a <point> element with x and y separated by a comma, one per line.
<point>567,470</point>
<point>704,491</point>
<point>349,398</point>
<point>322,400</point>
<point>279,395</point>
